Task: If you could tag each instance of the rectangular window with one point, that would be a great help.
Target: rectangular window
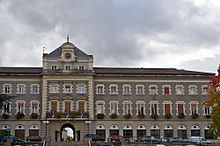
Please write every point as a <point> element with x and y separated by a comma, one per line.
<point>204,90</point>
<point>113,108</point>
<point>6,108</point>
<point>21,89</point>
<point>180,109</point>
<point>153,90</point>
<point>21,107</point>
<point>140,90</point>
<point>100,108</point>
<point>54,67</point>
<point>81,67</point>
<point>193,109</point>
<point>7,89</point>
<point>81,89</point>
<point>127,108</point>
<point>34,107</point>
<point>54,89</point>
<point>192,90</point>
<point>100,90</point>
<point>126,90</point>
<point>67,67</point>
<point>67,89</point>
<point>153,108</point>
<point>67,106</point>
<point>54,106</point>
<point>140,108</point>
<point>113,89</point>
<point>207,110</point>
<point>179,90</point>
<point>81,106</point>
<point>35,89</point>
<point>166,90</point>
<point>167,109</point>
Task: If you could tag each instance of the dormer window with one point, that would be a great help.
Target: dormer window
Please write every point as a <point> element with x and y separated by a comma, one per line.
<point>67,89</point>
<point>81,67</point>
<point>67,67</point>
<point>54,67</point>
<point>67,55</point>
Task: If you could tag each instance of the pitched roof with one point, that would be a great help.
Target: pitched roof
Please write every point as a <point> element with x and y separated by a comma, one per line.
<point>21,70</point>
<point>147,71</point>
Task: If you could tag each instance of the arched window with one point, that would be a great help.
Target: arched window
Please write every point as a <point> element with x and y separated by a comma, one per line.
<point>168,131</point>
<point>34,130</point>
<point>182,132</point>
<point>141,131</point>
<point>195,130</point>
<point>5,130</point>
<point>20,132</point>
<point>155,131</point>
<point>207,134</point>
<point>114,130</point>
<point>128,131</point>
<point>100,131</point>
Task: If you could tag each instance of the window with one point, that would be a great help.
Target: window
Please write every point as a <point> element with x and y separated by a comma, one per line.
<point>34,107</point>
<point>53,106</point>
<point>100,90</point>
<point>126,89</point>
<point>54,89</point>
<point>35,89</point>
<point>81,89</point>
<point>204,90</point>
<point>100,108</point>
<point>168,131</point>
<point>181,132</point>
<point>207,110</point>
<point>139,89</point>
<point>114,130</point>
<point>208,135</point>
<point>140,108</point>
<point>180,108</point>
<point>127,107</point>
<point>193,107</point>
<point>67,89</point>
<point>167,109</point>
<point>195,130</point>
<point>153,109</point>
<point>152,89</point>
<point>81,67</point>
<point>114,109</point>
<point>21,89</point>
<point>81,106</point>
<point>7,89</point>
<point>141,131</point>
<point>67,67</point>
<point>54,67</point>
<point>113,89</point>
<point>100,131</point>
<point>21,107</point>
<point>155,131</point>
<point>127,131</point>
<point>192,90</point>
<point>179,90</point>
<point>6,108</point>
<point>166,90</point>
<point>67,106</point>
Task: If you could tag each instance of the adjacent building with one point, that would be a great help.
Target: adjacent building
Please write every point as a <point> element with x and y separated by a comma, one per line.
<point>67,91</point>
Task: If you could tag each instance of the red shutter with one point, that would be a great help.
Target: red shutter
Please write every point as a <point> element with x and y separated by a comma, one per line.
<point>180,109</point>
<point>54,105</point>
<point>166,90</point>
<point>167,109</point>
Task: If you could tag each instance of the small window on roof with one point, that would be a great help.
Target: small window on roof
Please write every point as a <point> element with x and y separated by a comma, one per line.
<point>81,67</point>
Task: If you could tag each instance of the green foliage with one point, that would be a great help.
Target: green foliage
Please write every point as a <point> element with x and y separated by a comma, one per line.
<point>113,116</point>
<point>5,116</point>
<point>181,116</point>
<point>5,98</point>
<point>195,116</point>
<point>141,115</point>
<point>34,115</point>
<point>154,116</point>
<point>19,115</point>
<point>74,114</point>
<point>128,116</point>
<point>48,115</point>
<point>100,116</point>
<point>168,116</point>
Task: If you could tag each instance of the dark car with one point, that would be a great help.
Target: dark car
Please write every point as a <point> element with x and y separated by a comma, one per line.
<point>94,137</point>
<point>165,139</point>
<point>149,139</point>
<point>34,138</point>
<point>5,138</point>
<point>177,140</point>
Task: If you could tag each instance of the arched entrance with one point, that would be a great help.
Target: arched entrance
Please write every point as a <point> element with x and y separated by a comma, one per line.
<point>67,132</point>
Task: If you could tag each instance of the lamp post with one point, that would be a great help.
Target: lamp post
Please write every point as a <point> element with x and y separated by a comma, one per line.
<point>88,122</point>
<point>46,122</point>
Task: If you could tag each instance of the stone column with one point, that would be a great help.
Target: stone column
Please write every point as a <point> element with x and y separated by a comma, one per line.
<point>44,98</point>
<point>91,99</point>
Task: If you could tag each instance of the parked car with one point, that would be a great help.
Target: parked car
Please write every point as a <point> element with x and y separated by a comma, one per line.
<point>34,138</point>
<point>116,138</point>
<point>94,137</point>
<point>165,139</point>
<point>5,138</point>
<point>177,140</point>
<point>149,139</point>
<point>199,140</point>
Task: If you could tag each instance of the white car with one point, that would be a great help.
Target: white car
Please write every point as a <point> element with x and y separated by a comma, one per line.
<point>199,140</point>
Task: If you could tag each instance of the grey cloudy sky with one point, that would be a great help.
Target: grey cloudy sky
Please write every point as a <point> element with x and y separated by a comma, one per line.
<point>183,34</point>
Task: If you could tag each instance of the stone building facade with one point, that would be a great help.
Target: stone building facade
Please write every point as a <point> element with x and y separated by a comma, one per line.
<point>67,91</point>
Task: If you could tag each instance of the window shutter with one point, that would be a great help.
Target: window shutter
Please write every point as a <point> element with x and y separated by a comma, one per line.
<point>167,109</point>
<point>54,105</point>
<point>180,109</point>
<point>67,106</point>
<point>166,90</point>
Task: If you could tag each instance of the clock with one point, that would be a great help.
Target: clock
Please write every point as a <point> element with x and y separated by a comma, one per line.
<point>67,55</point>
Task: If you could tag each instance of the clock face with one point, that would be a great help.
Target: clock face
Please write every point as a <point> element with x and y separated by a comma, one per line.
<point>67,55</point>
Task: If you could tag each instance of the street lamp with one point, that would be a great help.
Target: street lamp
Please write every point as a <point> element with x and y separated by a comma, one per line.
<point>88,122</point>
<point>46,122</point>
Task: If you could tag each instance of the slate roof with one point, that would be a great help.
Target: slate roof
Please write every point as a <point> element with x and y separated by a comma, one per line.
<point>147,71</point>
<point>79,53</point>
<point>112,71</point>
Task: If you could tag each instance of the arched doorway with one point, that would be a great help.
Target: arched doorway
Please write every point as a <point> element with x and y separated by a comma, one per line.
<point>67,132</point>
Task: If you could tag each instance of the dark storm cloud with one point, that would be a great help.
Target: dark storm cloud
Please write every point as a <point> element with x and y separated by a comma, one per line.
<point>116,32</point>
